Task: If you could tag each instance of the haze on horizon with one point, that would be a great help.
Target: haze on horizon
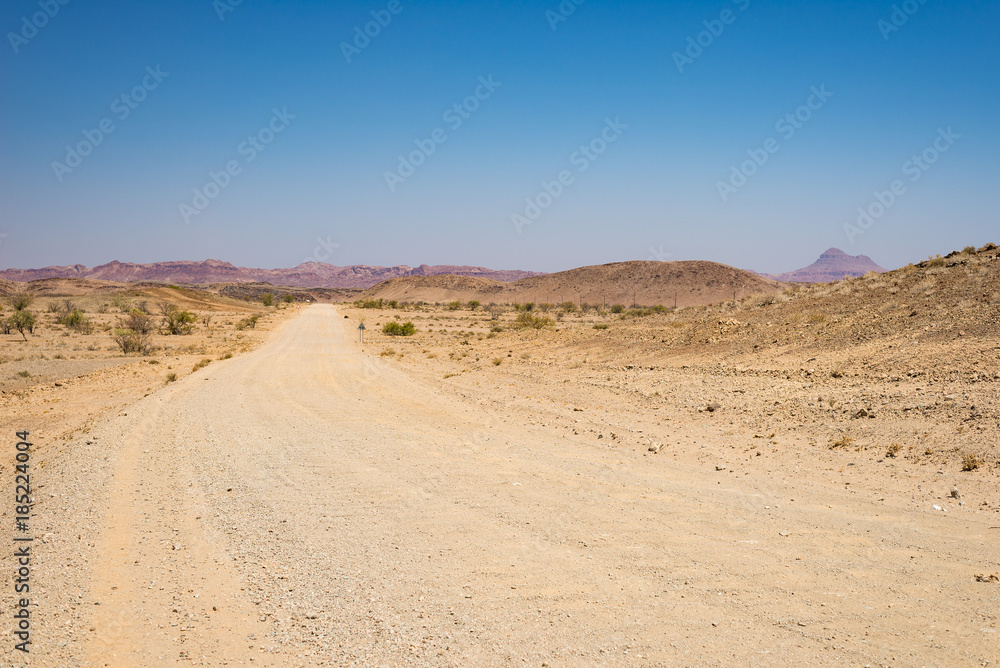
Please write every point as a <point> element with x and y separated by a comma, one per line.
<point>269,133</point>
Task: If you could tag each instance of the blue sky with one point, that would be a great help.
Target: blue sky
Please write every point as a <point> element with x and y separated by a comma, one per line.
<point>643,109</point>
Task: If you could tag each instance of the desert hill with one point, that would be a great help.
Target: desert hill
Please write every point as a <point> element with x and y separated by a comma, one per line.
<point>833,265</point>
<point>307,274</point>
<point>641,282</point>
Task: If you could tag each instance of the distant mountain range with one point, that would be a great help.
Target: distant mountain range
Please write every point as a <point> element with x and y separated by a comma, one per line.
<point>833,265</point>
<point>306,275</point>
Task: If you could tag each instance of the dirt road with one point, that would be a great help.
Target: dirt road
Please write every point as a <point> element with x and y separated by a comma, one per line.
<point>311,504</point>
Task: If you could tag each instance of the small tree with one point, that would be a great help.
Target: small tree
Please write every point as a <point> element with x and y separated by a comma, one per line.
<point>289,299</point>
<point>267,299</point>
<point>130,341</point>
<point>137,321</point>
<point>473,305</point>
<point>23,320</point>
<point>21,300</point>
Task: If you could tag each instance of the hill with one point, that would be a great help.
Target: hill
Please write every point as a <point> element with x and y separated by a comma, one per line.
<point>833,265</point>
<point>685,283</point>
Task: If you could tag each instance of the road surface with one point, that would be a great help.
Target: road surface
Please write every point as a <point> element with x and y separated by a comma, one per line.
<point>312,504</point>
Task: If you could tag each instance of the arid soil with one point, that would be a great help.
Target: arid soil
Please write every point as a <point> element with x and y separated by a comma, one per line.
<point>775,481</point>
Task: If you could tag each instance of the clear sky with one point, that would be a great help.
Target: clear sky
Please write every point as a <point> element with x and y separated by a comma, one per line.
<point>585,132</point>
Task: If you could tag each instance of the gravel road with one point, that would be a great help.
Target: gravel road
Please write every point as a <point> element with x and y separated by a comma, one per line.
<point>311,504</point>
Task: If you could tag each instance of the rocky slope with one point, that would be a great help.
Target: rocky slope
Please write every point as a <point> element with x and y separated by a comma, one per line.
<point>648,283</point>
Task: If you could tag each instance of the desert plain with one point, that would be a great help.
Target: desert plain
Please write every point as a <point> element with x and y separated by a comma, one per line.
<point>805,475</point>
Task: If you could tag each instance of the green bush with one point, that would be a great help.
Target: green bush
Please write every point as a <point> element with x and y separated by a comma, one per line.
<point>76,321</point>
<point>617,308</point>
<point>396,329</point>
<point>289,299</point>
<point>179,322</point>
<point>473,305</point>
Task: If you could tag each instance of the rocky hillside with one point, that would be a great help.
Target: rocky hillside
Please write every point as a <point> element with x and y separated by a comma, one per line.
<point>646,283</point>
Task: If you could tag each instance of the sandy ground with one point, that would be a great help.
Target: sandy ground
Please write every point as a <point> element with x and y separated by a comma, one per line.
<point>313,502</point>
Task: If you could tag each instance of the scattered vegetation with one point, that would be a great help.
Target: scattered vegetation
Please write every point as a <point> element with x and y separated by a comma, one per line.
<point>121,302</point>
<point>377,303</point>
